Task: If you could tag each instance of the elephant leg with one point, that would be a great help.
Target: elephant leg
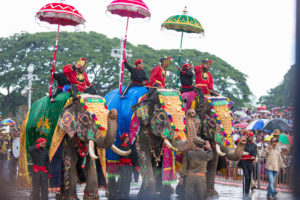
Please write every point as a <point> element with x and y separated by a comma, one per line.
<point>211,174</point>
<point>68,185</point>
<point>113,188</point>
<point>90,172</point>
<point>148,188</point>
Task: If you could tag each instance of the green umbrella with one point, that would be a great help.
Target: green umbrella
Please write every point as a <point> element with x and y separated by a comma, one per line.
<point>283,138</point>
<point>184,24</point>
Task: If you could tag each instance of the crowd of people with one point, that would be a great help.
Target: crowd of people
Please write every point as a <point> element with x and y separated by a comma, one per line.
<point>264,150</point>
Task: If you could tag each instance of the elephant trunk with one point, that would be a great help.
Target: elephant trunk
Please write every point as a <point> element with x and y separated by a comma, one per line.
<point>92,150</point>
<point>236,154</point>
<point>112,126</point>
<point>184,146</point>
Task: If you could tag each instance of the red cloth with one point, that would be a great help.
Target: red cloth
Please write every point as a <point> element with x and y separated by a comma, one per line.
<point>200,80</point>
<point>158,75</point>
<point>37,168</point>
<point>72,76</point>
<point>40,140</point>
<point>125,161</point>
<point>247,157</point>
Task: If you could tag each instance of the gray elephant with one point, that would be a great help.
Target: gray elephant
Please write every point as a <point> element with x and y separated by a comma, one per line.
<point>158,130</point>
<point>215,122</point>
<point>82,124</point>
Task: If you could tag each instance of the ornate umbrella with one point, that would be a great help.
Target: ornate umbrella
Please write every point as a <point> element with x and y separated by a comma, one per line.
<point>184,24</point>
<point>62,15</point>
<point>129,9</point>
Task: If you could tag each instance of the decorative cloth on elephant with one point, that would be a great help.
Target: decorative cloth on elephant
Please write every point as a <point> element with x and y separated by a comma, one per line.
<point>220,109</point>
<point>80,79</point>
<point>125,114</point>
<point>170,101</point>
<point>159,73</point>
<point>40,121</point>
<point>204,79</point>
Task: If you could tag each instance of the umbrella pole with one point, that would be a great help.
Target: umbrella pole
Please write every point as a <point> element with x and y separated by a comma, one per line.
<point>124,51</point>
<point>53,64</point>
<point>179,60</point>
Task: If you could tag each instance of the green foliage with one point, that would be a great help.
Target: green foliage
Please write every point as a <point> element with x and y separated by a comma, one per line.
<point>20,50</point>
<point>282,94</point>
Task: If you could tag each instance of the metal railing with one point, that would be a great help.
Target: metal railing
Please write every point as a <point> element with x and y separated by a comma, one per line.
<point>234,176</point>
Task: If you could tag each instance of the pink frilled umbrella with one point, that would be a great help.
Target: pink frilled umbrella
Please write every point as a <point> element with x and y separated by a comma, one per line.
<point>62,15</point>
<point>129,9</point>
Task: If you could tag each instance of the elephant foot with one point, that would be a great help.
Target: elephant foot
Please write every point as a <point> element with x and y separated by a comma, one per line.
<point>212,193</point>
<point>87,196</point>
<point>166,192</point>
<point>65,197</point>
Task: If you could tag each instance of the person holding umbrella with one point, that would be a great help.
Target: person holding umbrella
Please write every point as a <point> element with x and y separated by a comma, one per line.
<point>204,79</point>
<point>137,74</point>
<point>159,73</point>
<point>186,79</point>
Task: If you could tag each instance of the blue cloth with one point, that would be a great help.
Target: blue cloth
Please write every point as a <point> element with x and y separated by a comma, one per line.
<point>66,88</point>
<point>123,106</point>
<point>271,179</point>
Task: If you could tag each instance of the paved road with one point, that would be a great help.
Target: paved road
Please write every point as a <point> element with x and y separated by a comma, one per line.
<point>226,193</point>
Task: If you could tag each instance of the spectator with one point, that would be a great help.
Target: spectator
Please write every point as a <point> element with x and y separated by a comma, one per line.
<point>273,164</point>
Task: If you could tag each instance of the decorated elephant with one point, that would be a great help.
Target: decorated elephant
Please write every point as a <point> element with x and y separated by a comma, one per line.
<point>72,129</point>
<point>215,126</point>
<point>163,129</point>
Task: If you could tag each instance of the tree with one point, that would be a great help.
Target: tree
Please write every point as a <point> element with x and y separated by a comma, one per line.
<point>281,95</point>
<point>20,50</point>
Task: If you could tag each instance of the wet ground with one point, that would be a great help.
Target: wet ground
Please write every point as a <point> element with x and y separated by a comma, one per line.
<point>225,193</point>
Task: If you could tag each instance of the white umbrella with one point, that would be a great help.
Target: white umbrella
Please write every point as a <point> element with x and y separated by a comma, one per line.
<point>264,111</point>
<point>240,113</point>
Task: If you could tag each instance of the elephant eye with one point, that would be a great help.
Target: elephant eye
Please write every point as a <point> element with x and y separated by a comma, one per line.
<point>161,116</point>
<point>84,118</point>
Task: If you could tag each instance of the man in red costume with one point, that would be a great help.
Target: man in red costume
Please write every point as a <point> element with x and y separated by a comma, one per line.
<point>158,74</point>
<point>76,76</point>
<point>204,79</point>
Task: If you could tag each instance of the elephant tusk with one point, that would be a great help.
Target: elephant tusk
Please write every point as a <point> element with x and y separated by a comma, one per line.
<point>92,150</point>
<point>119,151</point>
<point>168,143</point>
<point>218,149</point>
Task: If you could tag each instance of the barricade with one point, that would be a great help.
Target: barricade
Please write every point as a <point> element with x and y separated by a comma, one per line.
<point>233,175</point>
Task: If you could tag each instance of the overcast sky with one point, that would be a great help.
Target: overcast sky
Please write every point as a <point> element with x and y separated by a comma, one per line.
<point>254,36</point>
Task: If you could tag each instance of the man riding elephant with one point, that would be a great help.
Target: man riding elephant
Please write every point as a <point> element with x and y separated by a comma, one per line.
<point>159,73</point>
<point>204,79</point>
<point>78,78</point>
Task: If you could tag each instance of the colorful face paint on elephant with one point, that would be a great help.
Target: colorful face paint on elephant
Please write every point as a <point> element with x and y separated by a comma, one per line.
<point>162,129</point>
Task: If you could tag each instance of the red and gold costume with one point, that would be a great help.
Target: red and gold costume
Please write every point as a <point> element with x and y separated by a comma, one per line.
<point>158,75</point>
<point>204,80</point>
<point>79,79</point>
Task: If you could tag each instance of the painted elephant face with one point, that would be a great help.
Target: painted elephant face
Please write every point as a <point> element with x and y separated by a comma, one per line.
<point>76,120</point>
